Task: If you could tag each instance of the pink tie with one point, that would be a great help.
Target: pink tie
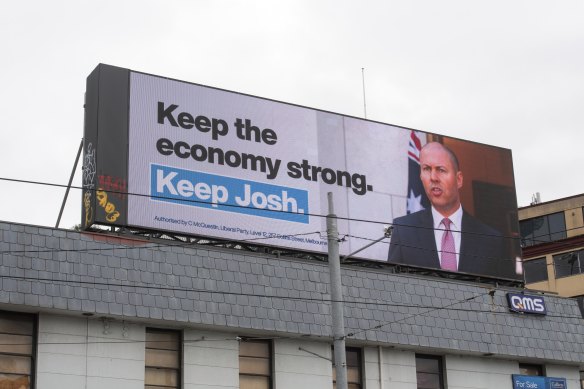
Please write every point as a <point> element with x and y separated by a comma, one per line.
<point>448,255</point>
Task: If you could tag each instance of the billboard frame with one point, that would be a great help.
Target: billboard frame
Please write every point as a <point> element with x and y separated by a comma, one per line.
<point>114,100</point>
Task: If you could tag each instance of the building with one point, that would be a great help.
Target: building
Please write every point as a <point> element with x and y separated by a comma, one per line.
<point>90,310</point>
<point>552,236</point>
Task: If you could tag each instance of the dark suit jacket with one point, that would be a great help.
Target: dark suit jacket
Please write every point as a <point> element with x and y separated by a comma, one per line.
<point>481,247</point>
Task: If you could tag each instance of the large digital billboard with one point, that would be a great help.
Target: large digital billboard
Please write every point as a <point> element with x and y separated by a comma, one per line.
<point>168,155</point>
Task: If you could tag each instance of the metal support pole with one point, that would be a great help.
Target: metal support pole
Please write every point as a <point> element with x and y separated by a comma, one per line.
<point>69,185</point>
<point>336,296</point>
<point>364,99</point>
<point>387,234</point>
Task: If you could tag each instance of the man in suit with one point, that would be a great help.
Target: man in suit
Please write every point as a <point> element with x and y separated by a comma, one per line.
<point>445,236</point>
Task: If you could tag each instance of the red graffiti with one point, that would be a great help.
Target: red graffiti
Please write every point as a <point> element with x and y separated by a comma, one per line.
<point>116,186</point>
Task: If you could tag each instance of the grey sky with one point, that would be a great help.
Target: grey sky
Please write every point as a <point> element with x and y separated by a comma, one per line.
<point>507,73</point>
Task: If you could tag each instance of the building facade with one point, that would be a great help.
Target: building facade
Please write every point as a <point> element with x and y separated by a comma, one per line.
<point>552,236</point>
<point>87,310</point>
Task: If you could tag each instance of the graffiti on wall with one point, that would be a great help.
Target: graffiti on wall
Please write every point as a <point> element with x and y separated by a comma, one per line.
<point>116,186</point>
<point>89,171</point>
<point>111,214</point>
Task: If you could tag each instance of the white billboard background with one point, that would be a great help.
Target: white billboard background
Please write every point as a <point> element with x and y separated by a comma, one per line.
<point>377,151</point>
<point>381,151</point>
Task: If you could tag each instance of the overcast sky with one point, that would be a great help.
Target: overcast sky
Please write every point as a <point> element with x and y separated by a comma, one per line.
<point>507,73</point>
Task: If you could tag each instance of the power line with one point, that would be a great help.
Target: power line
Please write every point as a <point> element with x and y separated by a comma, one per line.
<point>239,241</point>
<point>383,324</point>
<point>129,341</point>
<point>157,197</point>
<point>189,245</point>
<point>384,223</point>
<point>287,212</point>
<point>153,246</point>
<point>266,210</point>
<point>274,235</point>
<point>319,300</point>
<point>197,201</point>
<point>432,251</point>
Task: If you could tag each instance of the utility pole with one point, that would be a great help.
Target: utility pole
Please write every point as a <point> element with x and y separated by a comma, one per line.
<point>336,296</point>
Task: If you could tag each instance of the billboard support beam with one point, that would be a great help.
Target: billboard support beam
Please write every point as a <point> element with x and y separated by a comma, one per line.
<point>386,235</point>
<point>338,318</point>
<point>69,185</point>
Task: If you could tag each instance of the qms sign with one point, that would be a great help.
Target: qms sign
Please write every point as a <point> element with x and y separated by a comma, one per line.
<point>526,304</point>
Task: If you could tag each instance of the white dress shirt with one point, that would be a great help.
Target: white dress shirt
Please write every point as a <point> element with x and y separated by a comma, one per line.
<point>455,227</point>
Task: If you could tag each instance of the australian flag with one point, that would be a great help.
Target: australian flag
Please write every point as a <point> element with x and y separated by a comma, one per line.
<point>417,199</point>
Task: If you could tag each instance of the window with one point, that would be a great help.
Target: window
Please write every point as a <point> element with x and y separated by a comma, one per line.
<point>543,229</point>
<point>163,359</point>
<point>16,350</point>
<point>353,356</point>
<point>582,380</point>
<point>535,270</point>
<point>568,264</point>
<point>255,364</point>
<point>530,369</point>
<point>429,372</point>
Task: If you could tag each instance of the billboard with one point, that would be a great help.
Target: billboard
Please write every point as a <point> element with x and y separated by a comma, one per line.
<point>169,155</point>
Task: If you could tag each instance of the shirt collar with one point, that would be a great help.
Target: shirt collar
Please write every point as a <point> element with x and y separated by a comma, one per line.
<point>455,218</point>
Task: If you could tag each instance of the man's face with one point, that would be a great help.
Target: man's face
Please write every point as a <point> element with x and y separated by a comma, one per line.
<point>440,178</point>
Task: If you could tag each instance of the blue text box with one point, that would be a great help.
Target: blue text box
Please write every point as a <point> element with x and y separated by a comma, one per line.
<point>186,187</point>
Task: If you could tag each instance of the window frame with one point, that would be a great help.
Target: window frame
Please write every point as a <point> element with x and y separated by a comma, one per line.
<point>34,343</point>
<point>359,353</point>
<point>179,351</point>
<point>534,262</point>
<point>270,358</point>
<point>525,367</point>
<point>549,236</point>
<point>441,369</point>
<point>562,260</point>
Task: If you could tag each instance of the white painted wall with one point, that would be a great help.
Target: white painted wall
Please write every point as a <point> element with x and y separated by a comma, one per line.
<point>371,363</point>
<point>83,353</point>
<point>60,365</point>
<point>211,360</point>
<point>399,369</point>
<point>570,373</point>
<point>297,369</point>
<point>115,355</point>
<point>466,372</point>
